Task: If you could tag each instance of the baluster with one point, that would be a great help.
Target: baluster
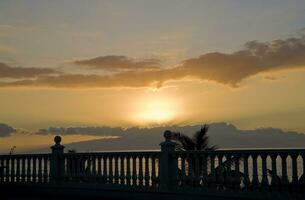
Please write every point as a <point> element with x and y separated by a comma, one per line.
<point>187,170</point>
<point>146,177</point>
<point>294,157</point>
<point>192,169</point>
<point>2,165</point>
<point>153,170</point>
<point>45,169</point>
<point>39,169</point>
<point>265,182</point>
<point>116,168</point>
<point>105,172</point>
<point>157,169</point>
<point>219,172</point>
<point>246,170</point>
<point>99,167</point>
<point>285,180</point>
<point>68,166</point>
<point>227,170</point>
<point>255,180</point>
<point>94,167</point>
<point>34,170</point>
<point>274,181</point>
<point>212,179</point>
<point>12,169</point>
<point>141,170</point>
<point>22,169</point>
<point>18,169</point>
<point>134,170</point>
<point>28,173</point>
<point>4,169</point>
<point>204,170</point>
<point>7,169</point>
<point>78,163</point>
<point>110,169</point>
<point>128,175</point>
<point>77,167</point>
<point>74,168</point>
<point>83,167</point>
<point>88,168</point>
<point>122,170</point>
<point>303,182</point>
<point>197,170</point>
<point>182,175</point>
<point>236,178</point>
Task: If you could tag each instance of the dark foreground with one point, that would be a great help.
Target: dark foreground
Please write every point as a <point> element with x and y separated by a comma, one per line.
<point>95,192</point>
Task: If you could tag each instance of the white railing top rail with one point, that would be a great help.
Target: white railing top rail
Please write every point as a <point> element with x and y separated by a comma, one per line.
<point>25,155</point>
<point>246,151</point>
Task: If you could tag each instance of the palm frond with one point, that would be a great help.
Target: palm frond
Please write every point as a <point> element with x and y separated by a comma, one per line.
<point>212,148</point>
<point>185,142</point>
<point>201,138</point>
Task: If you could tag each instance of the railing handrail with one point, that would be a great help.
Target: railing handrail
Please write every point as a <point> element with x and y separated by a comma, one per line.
<point>235,150</point>
<point>25,155</point>
<point>240,151</point>
<point>111,153</point>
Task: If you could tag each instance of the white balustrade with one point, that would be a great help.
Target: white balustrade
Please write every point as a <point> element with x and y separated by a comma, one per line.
<point>168,169</point>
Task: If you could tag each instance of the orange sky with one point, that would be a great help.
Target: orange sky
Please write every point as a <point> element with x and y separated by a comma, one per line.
<point>148,64</point>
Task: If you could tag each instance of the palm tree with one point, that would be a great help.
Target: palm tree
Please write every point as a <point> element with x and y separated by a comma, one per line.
<point>199,141</point>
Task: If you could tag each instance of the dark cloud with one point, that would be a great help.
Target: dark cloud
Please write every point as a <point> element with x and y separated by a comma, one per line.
<point>230,69</point>
<point>257,57</point>
<point>6,130</point>
<point>20,72</point>
<point>104,131</point>
<point>124,79</point>
<point>114,62</point>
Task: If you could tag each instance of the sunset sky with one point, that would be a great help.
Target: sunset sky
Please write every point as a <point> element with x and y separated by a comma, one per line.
<point>150,63</point>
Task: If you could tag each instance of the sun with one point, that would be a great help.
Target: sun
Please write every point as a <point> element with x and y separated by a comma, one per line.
<point>156,110</point>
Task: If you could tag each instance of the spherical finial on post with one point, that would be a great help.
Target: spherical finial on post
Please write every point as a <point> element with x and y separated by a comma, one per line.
<point>167,135</point>
<point>57,140</point>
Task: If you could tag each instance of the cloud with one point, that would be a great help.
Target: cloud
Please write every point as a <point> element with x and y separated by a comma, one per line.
<point>255,58</point>
<point>20,72</point>
<point>6,130</point>
<point>113,62</point>
<point>124,79</point>
<point>96,131</point>
<point>229,69</point>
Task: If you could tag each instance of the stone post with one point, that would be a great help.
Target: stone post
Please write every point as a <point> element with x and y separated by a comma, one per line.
<point>168,162</point>
<point>57,165</point>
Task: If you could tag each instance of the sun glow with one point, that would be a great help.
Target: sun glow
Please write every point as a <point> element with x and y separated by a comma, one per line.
<point>156,110</point>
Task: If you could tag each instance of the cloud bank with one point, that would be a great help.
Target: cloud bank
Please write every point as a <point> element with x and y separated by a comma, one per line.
<point>113,62</point>
<point>6,130</point>
<point>20,72</point>
<point>229,69</point>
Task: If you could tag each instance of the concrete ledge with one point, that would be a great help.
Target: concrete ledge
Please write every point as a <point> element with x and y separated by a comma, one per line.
<point>105,192</point>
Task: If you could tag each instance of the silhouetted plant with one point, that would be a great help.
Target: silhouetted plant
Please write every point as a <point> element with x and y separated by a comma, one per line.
<point>12,150</point>
<point>200,142</point>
